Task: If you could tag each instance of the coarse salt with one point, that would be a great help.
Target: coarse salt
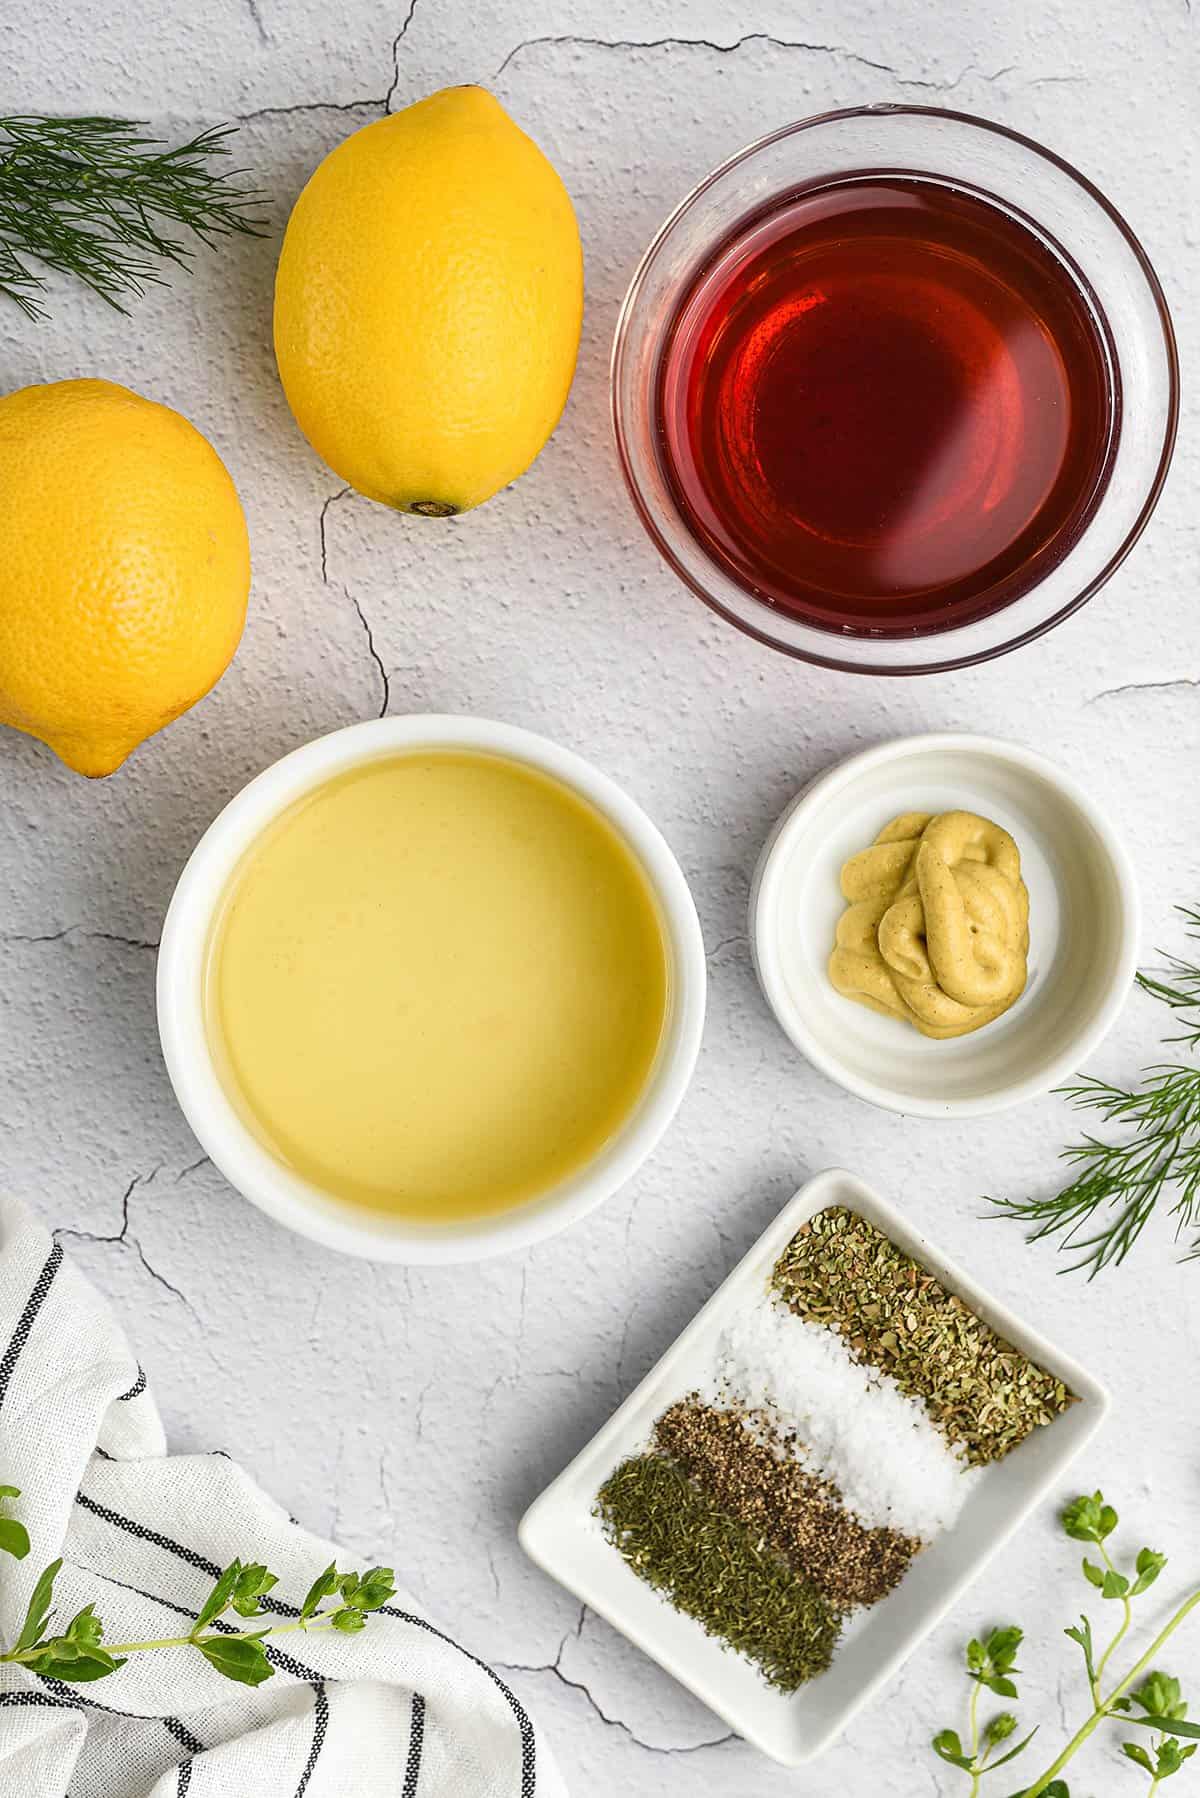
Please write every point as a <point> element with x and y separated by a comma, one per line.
<point>843,1419</point>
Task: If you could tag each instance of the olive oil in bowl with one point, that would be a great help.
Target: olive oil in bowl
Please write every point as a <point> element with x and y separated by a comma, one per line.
<point>436,986</point>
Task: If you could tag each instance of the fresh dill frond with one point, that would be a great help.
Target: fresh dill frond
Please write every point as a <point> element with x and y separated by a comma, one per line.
<point>1153,1154</point>
<point>1177,983</point>
<point>96,198</point>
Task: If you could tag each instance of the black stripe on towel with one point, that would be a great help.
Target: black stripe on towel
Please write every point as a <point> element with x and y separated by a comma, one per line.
<point>135,1391</point>
<point>416,1738</point>
<point>59,1693</point>
<point>184,1777</point>
<point>183,1735</point>
<point>43,1699</point>
<point>320,1725</point>
<point>528,1741</point>
<point>144,1534</point>
<point>74,1700</point>
<point>26,1321</point>
<point>65,1695</point>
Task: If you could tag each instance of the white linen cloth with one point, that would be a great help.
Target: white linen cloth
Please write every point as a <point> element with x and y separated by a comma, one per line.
<point>396,1711</point>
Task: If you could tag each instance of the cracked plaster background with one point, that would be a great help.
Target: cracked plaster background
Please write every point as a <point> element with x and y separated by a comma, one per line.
<point>415,1413</point>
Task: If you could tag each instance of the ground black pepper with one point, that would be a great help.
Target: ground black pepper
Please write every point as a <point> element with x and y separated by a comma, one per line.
<point>799,1514</point>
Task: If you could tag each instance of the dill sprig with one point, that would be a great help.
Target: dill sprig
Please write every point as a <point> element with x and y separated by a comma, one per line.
<point>1177,983</point>
<point>96,198</point>
<point>1101,1212</point>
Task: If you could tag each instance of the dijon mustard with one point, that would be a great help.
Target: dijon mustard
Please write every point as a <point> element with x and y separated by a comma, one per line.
<point>936,930</point>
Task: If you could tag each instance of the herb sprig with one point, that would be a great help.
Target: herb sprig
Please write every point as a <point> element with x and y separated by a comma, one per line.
<point>1121,1181</point>
<point>1143,1698</point>
<point>96,198</point>
<point>79,1652</point>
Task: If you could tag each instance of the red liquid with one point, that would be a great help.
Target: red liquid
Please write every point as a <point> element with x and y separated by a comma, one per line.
<point>886,406</point>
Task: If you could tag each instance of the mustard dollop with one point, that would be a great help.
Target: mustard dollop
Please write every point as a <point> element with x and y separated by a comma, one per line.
<point>936,930</point>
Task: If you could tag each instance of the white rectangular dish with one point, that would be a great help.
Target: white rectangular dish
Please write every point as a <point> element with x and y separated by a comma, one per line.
<point>560,1533</point>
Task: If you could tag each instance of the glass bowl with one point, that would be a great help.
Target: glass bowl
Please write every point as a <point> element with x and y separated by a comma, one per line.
<point>1028,183</point>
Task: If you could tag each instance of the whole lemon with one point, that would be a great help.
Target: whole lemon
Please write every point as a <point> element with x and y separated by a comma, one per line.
<point>124,568</point>
<point>428,304</point>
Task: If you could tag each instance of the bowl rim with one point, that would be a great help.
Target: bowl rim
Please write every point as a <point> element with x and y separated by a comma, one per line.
<point>936,664</point>
<point>765,953</point>
<point>250,1168</point>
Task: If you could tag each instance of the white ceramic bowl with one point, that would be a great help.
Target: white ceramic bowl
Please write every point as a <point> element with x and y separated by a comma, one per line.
<point>266,1181</point>
<point>561,1534</point>
<point>1084,925</point>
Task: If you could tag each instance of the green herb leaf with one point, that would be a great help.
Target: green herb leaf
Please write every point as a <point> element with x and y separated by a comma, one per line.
<point>63,1660</point>
<point>39,1608</point>
<point>218,1600</point>
<point>242,1658</point>
<point>947,1745</point>
<point>348,1620</point>
<point>1161,1696</point>
<point>1136,1752</point>
<point>85,1628</point>
<point>1093,1573</point>
<point>1000,1728</point>
<point>252,1583</point>
<point>1171,1757</point>
<point>1089,1519</point>
<point>14,1538</point>
<point>324,1586</point>
<point>1002,1646</point>
<point>1175,1725</point>
<point>1114,1585</point>
<point>1149,1566</point>
<point>367,1591</point>
<point>1012,1753</point>
<point>1083,1635</point>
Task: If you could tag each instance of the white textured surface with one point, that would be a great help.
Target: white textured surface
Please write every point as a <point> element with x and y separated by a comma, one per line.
<point>417,1414</point>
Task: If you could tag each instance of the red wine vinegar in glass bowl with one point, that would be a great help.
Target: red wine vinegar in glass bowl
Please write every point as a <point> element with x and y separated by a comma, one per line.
<point>884,403</point>
<point>895,390</point>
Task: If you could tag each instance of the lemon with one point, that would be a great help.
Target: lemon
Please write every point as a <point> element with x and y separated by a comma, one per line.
<point>124,568</point>
<point>428,304</point>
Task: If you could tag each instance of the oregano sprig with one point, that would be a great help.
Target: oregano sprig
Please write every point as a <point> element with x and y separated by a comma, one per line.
<point>1145,1697</point>
<point>79,1652</point>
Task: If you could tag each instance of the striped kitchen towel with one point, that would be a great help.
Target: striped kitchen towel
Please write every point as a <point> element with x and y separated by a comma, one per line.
<point>399,1709</point>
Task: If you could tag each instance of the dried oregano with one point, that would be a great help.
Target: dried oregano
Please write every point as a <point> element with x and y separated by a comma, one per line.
<point>981,1392</point>
<point>717,1571</point>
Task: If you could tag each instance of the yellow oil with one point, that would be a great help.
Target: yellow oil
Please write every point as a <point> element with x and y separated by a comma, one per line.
<point>436,986</point>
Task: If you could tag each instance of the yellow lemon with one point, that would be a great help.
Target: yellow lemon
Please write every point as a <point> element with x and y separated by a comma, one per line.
<point>124,568</point>
<point>428,304</point>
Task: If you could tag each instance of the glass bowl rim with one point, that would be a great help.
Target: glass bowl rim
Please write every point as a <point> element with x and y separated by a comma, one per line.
<point>942,664</point>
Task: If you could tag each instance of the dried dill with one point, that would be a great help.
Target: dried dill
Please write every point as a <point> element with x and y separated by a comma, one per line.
<point>981,1392</point>
<point>798,1513</point>
<point>710,1566</point>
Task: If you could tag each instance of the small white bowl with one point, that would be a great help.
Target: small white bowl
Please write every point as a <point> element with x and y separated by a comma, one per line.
<point>273,1187</point>
<point>560,1532</point>
<point>1084,925</point>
